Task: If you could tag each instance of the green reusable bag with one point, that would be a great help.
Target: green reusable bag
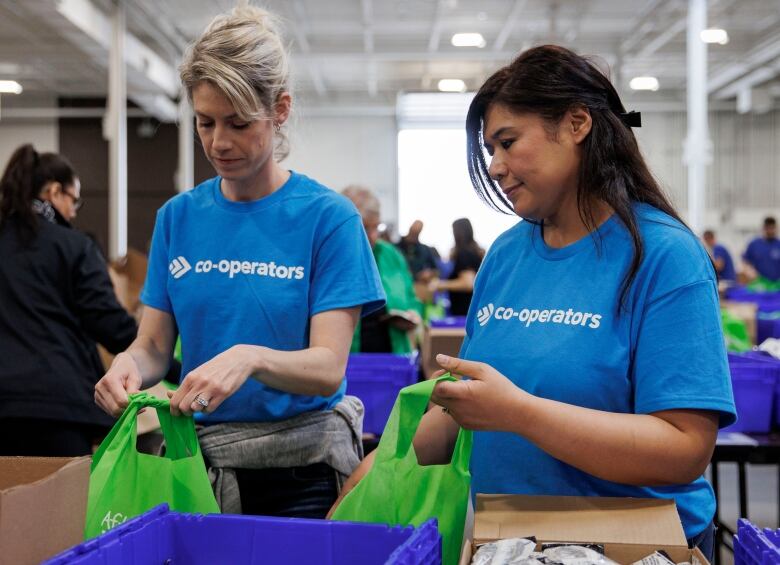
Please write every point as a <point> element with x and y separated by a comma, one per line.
<point>735,332</point>
<point>398,490</point>
<point>124,483</point>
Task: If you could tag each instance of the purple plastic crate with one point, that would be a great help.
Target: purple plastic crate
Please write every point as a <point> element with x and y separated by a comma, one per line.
<point>449,322</point>
<point>753,385</point>
<point>766,327</point>
<point>755,547</point>
<point>376,379</point>
<point>163,537</point>
<point>752,357</point>
<point>766,301</point>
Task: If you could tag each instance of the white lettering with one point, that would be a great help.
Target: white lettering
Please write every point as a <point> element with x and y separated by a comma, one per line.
<point>524,314</point>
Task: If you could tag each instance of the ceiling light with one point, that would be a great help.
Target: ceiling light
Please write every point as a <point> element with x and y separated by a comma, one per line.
<point>714,35</point>
<point>10,87</point>
<point>452,85</point>
<point>644,83</point>
<point>468,40</point>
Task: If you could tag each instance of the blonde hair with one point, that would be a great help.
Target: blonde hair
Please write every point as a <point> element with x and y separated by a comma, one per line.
<point>363,199</point>
<point>242,55</point>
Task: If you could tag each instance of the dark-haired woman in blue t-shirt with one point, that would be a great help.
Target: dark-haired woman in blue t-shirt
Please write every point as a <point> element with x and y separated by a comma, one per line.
<point>594,352</point>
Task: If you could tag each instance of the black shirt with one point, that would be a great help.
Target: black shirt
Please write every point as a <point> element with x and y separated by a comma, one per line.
<point>418,255</point>
<point>464,260</point>
<point>56,301</point>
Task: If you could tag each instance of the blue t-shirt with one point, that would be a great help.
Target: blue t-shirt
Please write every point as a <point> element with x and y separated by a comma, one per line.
<point>547,319</point>
<point>728,273</point>
<point>255,273</point>
<point>764,255</point>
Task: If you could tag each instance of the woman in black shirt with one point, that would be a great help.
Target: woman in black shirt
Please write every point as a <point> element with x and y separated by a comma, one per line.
<point>56,301</point>
<point>466,257</point>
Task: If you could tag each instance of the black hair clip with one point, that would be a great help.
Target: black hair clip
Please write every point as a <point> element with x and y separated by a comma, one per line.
<point>631,119</point>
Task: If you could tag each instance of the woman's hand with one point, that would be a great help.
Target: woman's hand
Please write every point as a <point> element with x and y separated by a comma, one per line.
<point>215,380</point>
<point>489,401</point>
<point>121,380</point>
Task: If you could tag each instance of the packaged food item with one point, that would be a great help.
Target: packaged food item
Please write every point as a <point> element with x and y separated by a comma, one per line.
<point>570,554</point>
<point>511,551</point>
<point>594,546</point>
<point>659,557</point>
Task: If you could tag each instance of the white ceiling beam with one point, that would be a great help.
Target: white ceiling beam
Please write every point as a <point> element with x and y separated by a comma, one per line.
<point>433,42</point>
<point>643,23</point>
<point>372,78</point>
<point>509,25</point>
<point>145,63</point>
<point>662,38</point>
<point>368,24</point>
<point>300,29</point>
<point>750,80</point>
<point>765,54</point>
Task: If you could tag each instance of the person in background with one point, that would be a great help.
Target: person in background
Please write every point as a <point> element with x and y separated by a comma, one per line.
<point>421,258</point>
<point>56,303</point>
<point>762,256</point>
<point>584,378</point>
<point>466,258</point>
<point>264,273</point>
<point>724,266</point>
<point>387,330</point>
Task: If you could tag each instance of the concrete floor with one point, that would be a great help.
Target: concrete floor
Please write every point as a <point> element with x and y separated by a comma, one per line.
<point>762,483</point>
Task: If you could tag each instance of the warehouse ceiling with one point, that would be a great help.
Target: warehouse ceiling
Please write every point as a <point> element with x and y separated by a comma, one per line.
<point>364,52</point>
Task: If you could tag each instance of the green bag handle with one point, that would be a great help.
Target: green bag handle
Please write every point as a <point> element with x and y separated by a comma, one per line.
<point>181,440</point>
<point>413,400</point>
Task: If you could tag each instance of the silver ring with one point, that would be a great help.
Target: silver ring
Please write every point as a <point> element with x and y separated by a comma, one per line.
<point>445,410</point>
<point>202,401</point>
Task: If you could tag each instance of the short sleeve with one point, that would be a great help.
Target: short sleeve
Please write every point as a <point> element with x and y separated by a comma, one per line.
<point>344,272</point>
<point>750,252</point>
<point>680,356</point>
<point>155,291</point>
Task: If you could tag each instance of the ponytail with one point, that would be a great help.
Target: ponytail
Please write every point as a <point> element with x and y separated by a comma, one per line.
<point>25,176</point>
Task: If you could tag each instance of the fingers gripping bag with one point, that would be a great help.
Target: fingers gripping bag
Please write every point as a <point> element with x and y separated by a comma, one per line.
<point>398,490</point>
<point>124,483</point>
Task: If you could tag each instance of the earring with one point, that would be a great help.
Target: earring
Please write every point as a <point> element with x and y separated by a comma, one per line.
<point>277,127</point>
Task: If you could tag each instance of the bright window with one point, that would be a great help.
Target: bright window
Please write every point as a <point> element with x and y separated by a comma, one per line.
<point>434,186</point>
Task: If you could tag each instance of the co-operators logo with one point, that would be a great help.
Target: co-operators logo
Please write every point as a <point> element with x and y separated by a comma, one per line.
<point>531,316</point>
<point>179,267</point>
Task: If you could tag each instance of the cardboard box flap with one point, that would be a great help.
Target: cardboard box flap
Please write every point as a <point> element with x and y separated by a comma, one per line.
<point>582,519</point>
<point>20,471</point>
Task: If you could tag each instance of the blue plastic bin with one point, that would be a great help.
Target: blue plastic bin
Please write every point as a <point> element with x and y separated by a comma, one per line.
<point>753,357</point>
<point>753,383</point>
<point>376,379</point>
<point>753,546</point>
<point>449,322</point>
<point>163,537</point>
<point>767,325</point>
<point>766,301</point>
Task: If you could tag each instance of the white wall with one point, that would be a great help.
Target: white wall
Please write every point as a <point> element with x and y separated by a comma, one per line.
<point>43,134</point>
<point>338,151</point>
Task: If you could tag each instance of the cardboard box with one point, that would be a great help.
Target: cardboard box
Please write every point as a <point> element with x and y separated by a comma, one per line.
<point>43,505</point>
<point>128,275</point>
<point>628,528</point>
<point>439,340</point>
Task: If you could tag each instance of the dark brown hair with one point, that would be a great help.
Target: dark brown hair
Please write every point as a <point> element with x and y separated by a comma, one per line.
<point>548,81</point>
<point>25,176</point>
<point>463,233</point>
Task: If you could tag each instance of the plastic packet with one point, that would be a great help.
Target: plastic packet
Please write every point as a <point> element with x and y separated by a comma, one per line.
<point>511,551</point>
<point>659,557</point>
<point>569,554</point>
